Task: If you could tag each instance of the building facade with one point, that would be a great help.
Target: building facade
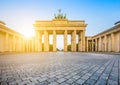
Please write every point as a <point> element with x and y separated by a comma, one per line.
<point>107,41</point>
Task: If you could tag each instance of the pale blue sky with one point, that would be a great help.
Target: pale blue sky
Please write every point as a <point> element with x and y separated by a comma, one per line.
<point>98,14</point>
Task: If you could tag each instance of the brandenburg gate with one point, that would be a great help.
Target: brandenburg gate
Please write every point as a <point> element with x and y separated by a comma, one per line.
<point>60,25</point>
<point>106,41</point>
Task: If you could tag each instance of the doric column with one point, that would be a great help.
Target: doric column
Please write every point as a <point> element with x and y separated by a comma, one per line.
<point>54,40</point>
<point>92,45</point>
<point>20,44</point>
<point>112,40</point>
<point>87,44</point>
<point>105,42</point>
<point>100,44</point>
<point>74,41</point>
<point>17,44</point>
<point>27,45</point>
<point>119,41</point>
<point>65,41</point>
<point>79,42</point>
<point>10,43</point>
<point>36,41</point>
<point>32,44</point>
<point>13,43</point>
<point>23,44</point>
<point>96,45</point>
<point>40,41</point>
<point>83,40</point>
<point>46,41</point>
<point>6,42</point>
<point>1,42</point>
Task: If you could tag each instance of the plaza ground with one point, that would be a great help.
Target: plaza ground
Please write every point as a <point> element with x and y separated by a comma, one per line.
<point>60,68</point>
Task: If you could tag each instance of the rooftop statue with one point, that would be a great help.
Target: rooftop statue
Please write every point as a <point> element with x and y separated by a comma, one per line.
<point>59,15</point>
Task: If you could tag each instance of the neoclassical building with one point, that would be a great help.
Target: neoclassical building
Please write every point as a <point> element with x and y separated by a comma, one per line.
<point>10,41</point>
<point>107,41</point>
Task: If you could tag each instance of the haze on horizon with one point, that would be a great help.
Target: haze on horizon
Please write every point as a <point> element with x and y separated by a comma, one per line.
<point>20,15</point>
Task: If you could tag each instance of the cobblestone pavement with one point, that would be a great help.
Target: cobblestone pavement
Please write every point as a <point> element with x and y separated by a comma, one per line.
<point>60,69</point>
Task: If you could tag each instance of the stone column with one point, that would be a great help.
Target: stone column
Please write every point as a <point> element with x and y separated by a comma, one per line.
<point>74,41</point>
<point>13,42</point>
<point>92,45</point>
<point>17,44</point>
<point>20,43</point>
<point>23,45</point>
<point>119,41</point>
<point>54,41</point>
<point>105,42</point>
<point>32,42</point>
<point>36,41</point>
<point>1,43</point>
<point>10,43</point>
<point>27,45</point>
<point>83,41</point>
<point>96,45</point>
<point>6,42</point>
<point>40,41</point>
<point>79,42</point>
<point>100,44</point>
<point>113,43</point>
<point>65,41</point>
<point>30,45</point>
<point>87,44</point>
<point>46,41</point>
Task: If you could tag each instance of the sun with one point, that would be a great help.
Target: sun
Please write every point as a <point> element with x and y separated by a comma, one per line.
<point>29,33</point>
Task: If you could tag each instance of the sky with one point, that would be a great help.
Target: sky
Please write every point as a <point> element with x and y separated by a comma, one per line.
<point>20,15</point>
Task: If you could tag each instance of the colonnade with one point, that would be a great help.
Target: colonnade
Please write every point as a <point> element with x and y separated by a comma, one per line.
<point>10,43</point>
<point>38,40</point>
<point>108,41</point>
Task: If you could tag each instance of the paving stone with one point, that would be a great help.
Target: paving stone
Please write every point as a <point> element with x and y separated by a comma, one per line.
<point>64,83</point>
<point>59,69</point>
<point>80,81</point>
<point>76,77</point>
<point>111,82</point>
<point>90,82</point>
<point>53,83</point>
<point>61,80</point>
<point>71,80</point>
<point>101,82</point>
<point>43,83</point>
<point>85,77</point>
<point>94,77</point>
<point>52,79</point>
